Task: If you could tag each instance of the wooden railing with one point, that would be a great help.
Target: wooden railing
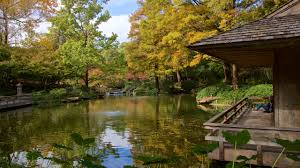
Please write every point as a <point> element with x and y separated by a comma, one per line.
<point>7,102</point>
<point>230,114</point>
<point>227,121</point>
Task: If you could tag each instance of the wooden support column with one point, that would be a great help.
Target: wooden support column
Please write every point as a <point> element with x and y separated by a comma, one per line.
<point>276,88</point>
<point>235,75</point>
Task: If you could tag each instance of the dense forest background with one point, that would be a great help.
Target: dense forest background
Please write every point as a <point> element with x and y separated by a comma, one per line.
<point>76,54</point>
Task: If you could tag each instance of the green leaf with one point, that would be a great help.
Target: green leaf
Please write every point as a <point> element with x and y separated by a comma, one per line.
<point>90,164</point>
<point>128,166</point>
<point>246,159</point>
<point>243,138</point>
<point>204,149</point>
<point>33,155</point>
<point>240,138</point>
<point>77,138</point>
<point>289,145</point>
<point>58,146</point>
<point>59,161</point>
<point>293,157</point>
<point>229,137</point>
<point>88,141</point>
<point>148,160</point>
<point>90,158</point>
<point>236,165</point>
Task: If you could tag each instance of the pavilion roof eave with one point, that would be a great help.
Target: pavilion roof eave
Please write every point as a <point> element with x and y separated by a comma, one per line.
<point>251,44</point>
<point>257,53</point>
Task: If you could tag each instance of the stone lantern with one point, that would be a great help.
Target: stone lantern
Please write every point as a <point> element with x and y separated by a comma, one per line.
<point>19,89</point>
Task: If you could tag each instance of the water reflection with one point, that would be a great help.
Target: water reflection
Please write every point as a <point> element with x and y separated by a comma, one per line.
<point>132,126</point>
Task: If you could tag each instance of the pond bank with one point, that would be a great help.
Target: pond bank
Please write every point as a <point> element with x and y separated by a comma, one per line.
<point>65,95</point>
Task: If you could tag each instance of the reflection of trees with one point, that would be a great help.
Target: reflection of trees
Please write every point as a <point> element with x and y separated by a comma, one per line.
<point>157,125</point>
<point>157,112</point>
<point>176,135</point>
<point>44,126</point>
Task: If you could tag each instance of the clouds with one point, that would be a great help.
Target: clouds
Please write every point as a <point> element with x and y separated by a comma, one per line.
<point>117,24</point>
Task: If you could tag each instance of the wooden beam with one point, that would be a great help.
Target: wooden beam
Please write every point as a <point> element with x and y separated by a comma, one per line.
<point>234,127</point>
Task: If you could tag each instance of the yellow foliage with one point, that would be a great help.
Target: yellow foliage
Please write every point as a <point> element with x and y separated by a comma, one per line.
<point>196,60</point>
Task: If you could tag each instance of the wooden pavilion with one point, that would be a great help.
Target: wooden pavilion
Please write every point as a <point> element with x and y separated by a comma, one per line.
<point>273,41</point>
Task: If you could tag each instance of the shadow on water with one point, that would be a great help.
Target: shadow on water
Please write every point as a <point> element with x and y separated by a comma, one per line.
<point>165,126</point>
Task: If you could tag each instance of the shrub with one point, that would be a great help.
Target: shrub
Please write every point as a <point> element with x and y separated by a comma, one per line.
<point>260,90</point>
<point>227,95</point>
<point>189,85</point>
<point>58,93</point>
<point>213,90</point>
<point>140,91</point>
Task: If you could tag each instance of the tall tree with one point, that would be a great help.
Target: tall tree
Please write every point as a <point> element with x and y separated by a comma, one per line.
<point>160,32</point>
<point>76,25</point>
<point>17,17</point>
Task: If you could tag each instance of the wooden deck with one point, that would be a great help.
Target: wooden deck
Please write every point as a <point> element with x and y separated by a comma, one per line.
<point>242,116</point>
<point>13,102</point>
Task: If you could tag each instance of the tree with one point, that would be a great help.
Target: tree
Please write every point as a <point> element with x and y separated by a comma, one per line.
<point>20,16</point>
<point>76,25</point>
<point>160,32</point>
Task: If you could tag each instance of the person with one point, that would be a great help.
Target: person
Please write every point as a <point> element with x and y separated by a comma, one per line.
<point>266,107</point>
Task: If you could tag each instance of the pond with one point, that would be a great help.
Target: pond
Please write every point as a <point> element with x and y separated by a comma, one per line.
<point>131,126</point>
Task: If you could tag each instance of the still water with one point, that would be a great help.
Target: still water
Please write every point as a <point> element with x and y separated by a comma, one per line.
<point>132,126</point>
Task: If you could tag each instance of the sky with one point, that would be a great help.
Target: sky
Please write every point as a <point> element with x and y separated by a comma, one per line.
<point>120,11</point>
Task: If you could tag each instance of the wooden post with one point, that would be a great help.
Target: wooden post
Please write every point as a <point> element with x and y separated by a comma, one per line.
<point>221,146</point>
<point>259,155</point>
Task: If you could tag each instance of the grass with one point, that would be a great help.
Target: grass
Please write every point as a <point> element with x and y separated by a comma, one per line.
<point>228,96</point>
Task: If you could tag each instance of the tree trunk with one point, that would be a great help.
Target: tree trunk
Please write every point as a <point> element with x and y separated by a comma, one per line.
<point>157,84</point>
<point>86,78</point>
<point>156,79</point>
<point>235,75</point>
<point>5,41</point>
<point>227,73</point>
<point>178,77</point>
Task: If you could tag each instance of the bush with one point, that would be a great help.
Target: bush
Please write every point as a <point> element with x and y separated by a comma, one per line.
<point>4,54</point>
<point>58,93</point>
<point>260,90</point>
<point>140,91</point>
<point>189,85</point>
<point>228,96</point>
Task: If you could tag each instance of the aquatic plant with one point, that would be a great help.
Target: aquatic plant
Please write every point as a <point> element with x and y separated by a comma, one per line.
<point>81,157</point>
<point>201,151</point>
<point>236,139</point>
<point>157,160</point>
<point>291,146</point>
